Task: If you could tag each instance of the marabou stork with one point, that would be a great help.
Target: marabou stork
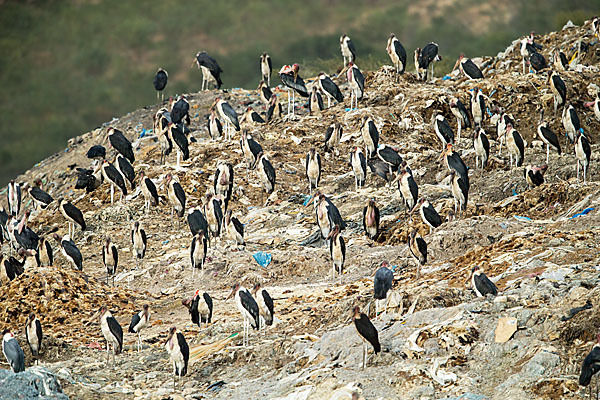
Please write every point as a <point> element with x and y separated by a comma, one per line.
<point>197,221</point>
<point>503,122</point>
<point>370,136</point>
<point>425,57</point>
<point>534,176</point>
<point>89,179</point>
<point>337,251</point>
<point>331,90</point>
<point>161,128</point>
<point>357,83</point>
<point>537,61</point>
<point>274,111</point>
<point>390,156</point>
<point>266,68</point>
<point>120,143</point>
<point>468,67</point>
<point>179,351</point>
<point>547,136</point>
<point>265,306</point>
<point>367,332</point>
<point>595,105</point>
<point>110,259</point>
<point>333,136</point>
<point>382,284</point>
<point>559,90</point>
<point>290,78</point>
<point>112,175</point>
<point>590,367</point>
<point>380,169</point>
<point>481,283</point>
<point>177,136</point>
<point>13,198</point>
<point>72,214</point>
<point>359,167</point>
<point>462,116</point>
<point>45,252</point>
<point>481,144</point>
<point>160,82</point>
<point>13,352</point>
<point>477,106</point>
<point>371,219</point>
<point>327,214</point>
<point>227,114</point>
<point>198,250</point>
<point>570,121</point>
<point>252,117</point>
<point>248,307</point>
<point>70,251</point>
<point>460,192</point>
<point>583,153</point>
<point>96,152</point>
<point>515,145</point>
<point>234,228</point>
<point>180,112</point>
<point>214,214</point>
<point>418,250</point>
<point>9,269</point>
<point>223,182</point>
<point>312,166</point>
<point>397,54</point>
<point>138,322</point>
<point>20,235</point>
<point>139,242</point>
<point>215,129</point>
<point>34,335</point>
<point>559,60</point>
<point>3,228</point>
<point>40,198</point>
<point>200,307</point>
<point>408,189</point>
<point>176,196</point>
<point>211,71</point>
<point>315,101</point>
<point>149,191</point>
<point>30,259</point>
<point>126,169</point>
<point>428,213</point>
<point>266,173</point>
<point>443,130</point>
<point>264,92</point>
<point>347,48</point>
<point>112,332</point>
<point>455,163</point>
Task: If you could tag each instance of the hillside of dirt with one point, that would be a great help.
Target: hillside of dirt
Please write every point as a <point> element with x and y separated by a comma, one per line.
<point>539,245</point>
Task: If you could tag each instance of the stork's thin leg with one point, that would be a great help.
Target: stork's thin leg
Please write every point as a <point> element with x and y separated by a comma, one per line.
<point>328,101</point>
<point>112,193</point>
<point>178,158</point>
<point>364,355</point>
<point>523,65</point>
<point>459,127</point>
<point>418,270</point>
<point>547,153</point>
<point>584,172</point>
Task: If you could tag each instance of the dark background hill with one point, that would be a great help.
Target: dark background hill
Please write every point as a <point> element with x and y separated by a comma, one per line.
<point>68,66</point>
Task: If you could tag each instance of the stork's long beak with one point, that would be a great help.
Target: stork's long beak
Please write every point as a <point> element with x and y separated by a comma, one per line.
<point>308,203</point>
<point>92,319</point>
<point>343,71</point>
<point>414,208</point>
<point>396,179</point>
<point>469,278</point>
<point>455,64</point>
<point>589,104</point>
<point>295,75</point>
<point>443,154</point>
<point>194,62</point>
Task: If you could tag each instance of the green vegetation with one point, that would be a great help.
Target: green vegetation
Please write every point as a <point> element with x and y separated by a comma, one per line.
<point>69,66</point>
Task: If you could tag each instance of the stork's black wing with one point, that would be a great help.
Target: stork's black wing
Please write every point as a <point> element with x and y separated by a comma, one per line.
<point>96,151</point>
<point>560,86</point>
<point>181,141</point>
<point>575,119</point>
<point>269,304</point>
<point>269,170</point>
<point>135,319</point>
<point>185,352</point>
<point>367,330</point>
<point>215,70</point>
<point>267,92</point>
<point>330,87</point>
<point>484,285</point>
<point>117,331</point>
<point>250,305</point>
<point>432,216</point>
<point>180,194</point>
<point>75,214</point>
<point>197,222</point>
<point>590,366</point>
<point>351,48</point>
<point>297,84</point>
<point>472,70</point>
<point>520,145</point>
<point>160,80</point>
<point>422,246</point>
<point>538,62</point>
<point>73,252</point>
<point>464,114</point>
<point>360,79</point>
<point>231,114</point>
<point>550,136</point>
<point>209,303</point>
<point>401,53</point>
<point>121,144</point>
<point>40,195</point>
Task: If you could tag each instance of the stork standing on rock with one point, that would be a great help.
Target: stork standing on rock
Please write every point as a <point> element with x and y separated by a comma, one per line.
<point>234,228</point>
<point>426,57</point>
<point>390,156</point>
<point>112,175</point>
<point>120,143</point>
<point>347,48</point>
<point>570,121</point>
<point>337,251</point>
<point>367,332</point>
<point>462,116</point>
<point>382,284</point>
<point>443,130</point>
<point>583,153</point>
<point>590,367</point>
<point>534,176</point>
<point>13,198</point>
<point>176,196</point>
<point>215,129</point>
<point>200,307</point>
<point>223,182</point>
<point>460,192</point>
<point>250,150</point>
<point>149,191</point>
<point>211,71</point>
<point>359,167</point>
<point>252,117</point>
<point>559,90</point>
<point>468,67</point>
<point>138,322</point>
<point>126,169</point>
<point>70,251</point>
<point>418,249</point>
<point>248,307</point>
<point>477,106</point>
<point>481,144</point>
<point>214,214</point>
<point>179,351</point>
<point>397,54</point>
<point>515,145</point>
<point>547,136</point>
<point>503,122</point>
<point>370,136</point>
<point>357,83</point>
<point>139,242</point>
<point>408,189</point>
<point>455,163</point>
<point>312,167</point>
<point>227,114</point>
<point>110,259</point>
<point>331,90</point>
<point>160,82</point>
<point>290,78</point>
<point>266,173</point>
<point>266,68</point>
<point>112,332</point>
<point>333,136</point>
<point>371,219</point>
<point>177,136</point>
<point>34,335</point>
<point>327,214</point>
<point>264,92</point>
<point>40,198</point>
<point>72,214</point>
<point>13,352</point>
<point>481,283</point>
<point>265,306</point>
<point>428,213</point>
<point>198,250</point>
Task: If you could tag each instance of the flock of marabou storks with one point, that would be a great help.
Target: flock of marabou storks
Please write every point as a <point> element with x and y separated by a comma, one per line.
<point>213,218</point>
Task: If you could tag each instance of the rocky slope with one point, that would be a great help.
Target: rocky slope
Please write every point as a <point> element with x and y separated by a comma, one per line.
<point>438,339</point>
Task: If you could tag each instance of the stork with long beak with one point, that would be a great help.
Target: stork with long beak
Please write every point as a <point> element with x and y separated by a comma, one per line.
<point>337,251</point>
<point>547,136</point>
<point>179,351</point>
<point>468,67</point>
<point>595,105</point>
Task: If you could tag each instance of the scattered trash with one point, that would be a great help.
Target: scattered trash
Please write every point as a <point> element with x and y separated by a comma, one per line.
<point>439,375</point>
<point>576,310</point>
<point>263,259</point>
<point>520,218</point>
<point>556,275</point>
<point>507,326</point>
<point>584,212</point>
